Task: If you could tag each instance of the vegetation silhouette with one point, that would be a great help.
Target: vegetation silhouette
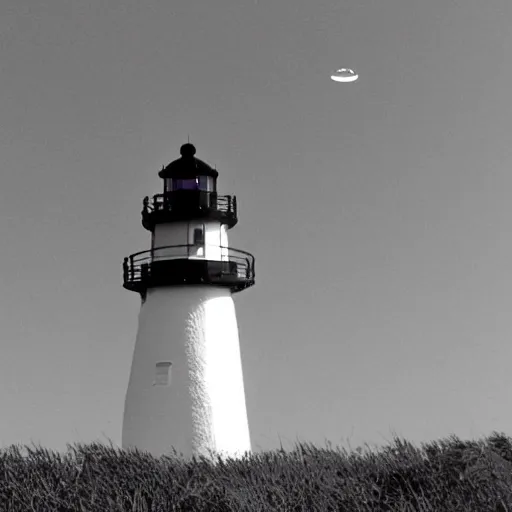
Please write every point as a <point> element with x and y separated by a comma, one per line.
<point>445,475</point>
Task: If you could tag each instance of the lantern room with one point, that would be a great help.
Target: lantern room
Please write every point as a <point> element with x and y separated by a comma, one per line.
<point>190,191</point>
<point>189,173</point>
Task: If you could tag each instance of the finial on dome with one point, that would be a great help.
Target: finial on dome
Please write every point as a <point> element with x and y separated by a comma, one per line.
<point>187,150</point>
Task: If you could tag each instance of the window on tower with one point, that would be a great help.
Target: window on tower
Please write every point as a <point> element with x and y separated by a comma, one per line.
<point>199,236</point>
<point>162,373</point>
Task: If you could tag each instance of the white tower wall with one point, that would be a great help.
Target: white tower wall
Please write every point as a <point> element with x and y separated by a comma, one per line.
<point>197,403</point>
<point>182,233</point>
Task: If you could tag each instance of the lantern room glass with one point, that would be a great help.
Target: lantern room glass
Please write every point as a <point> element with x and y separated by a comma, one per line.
<point>204,183</point>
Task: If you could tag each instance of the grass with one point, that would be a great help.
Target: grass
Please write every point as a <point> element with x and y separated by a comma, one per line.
<point>445,475</point>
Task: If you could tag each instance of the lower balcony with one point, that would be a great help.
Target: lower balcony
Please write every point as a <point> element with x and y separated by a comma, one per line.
<point>175,265</point>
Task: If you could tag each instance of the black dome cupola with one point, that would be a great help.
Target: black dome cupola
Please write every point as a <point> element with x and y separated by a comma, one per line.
<point>190,192</point>
<point>188,166</point>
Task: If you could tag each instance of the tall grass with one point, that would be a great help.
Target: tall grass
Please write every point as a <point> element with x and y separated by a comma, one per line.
<point>447,475</point>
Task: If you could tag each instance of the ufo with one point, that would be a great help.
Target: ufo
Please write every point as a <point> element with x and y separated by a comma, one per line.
<point>345,75</point>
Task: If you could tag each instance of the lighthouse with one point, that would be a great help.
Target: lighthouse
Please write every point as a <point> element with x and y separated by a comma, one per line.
<point>186,388</point>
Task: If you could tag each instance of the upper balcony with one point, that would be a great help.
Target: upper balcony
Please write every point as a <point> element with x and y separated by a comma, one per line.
<point>188,204</point>
<point>183,265</point>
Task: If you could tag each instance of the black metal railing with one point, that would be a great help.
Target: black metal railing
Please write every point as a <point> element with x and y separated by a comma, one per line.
<point>179,203</point>
<point>232,267</point>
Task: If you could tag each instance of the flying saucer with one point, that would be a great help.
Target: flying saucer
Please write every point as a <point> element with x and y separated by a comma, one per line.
<point>345,75</point>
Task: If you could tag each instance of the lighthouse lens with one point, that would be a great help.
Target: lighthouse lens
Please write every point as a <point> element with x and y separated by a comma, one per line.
<point>185,184</point>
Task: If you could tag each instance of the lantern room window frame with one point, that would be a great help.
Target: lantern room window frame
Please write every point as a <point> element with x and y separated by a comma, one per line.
<point>202,183</point>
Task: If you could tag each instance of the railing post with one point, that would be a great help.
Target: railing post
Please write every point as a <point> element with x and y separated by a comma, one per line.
<point>125,269</point>
<point>248,269</point>
<point>145,208</point>
<point>166,201</point>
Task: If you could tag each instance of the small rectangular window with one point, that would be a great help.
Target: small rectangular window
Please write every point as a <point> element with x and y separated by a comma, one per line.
<point>199,236</point>
<point>162,373</point>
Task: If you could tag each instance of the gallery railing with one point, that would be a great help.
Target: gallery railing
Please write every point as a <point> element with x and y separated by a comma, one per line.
<point>229,264</point>
<point>174,202</point>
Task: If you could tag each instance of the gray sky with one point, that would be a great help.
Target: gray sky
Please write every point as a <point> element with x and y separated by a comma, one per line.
<point>379,211</point>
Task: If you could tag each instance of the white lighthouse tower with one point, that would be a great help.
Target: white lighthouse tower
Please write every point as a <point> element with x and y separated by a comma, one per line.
<point>186,388</point>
